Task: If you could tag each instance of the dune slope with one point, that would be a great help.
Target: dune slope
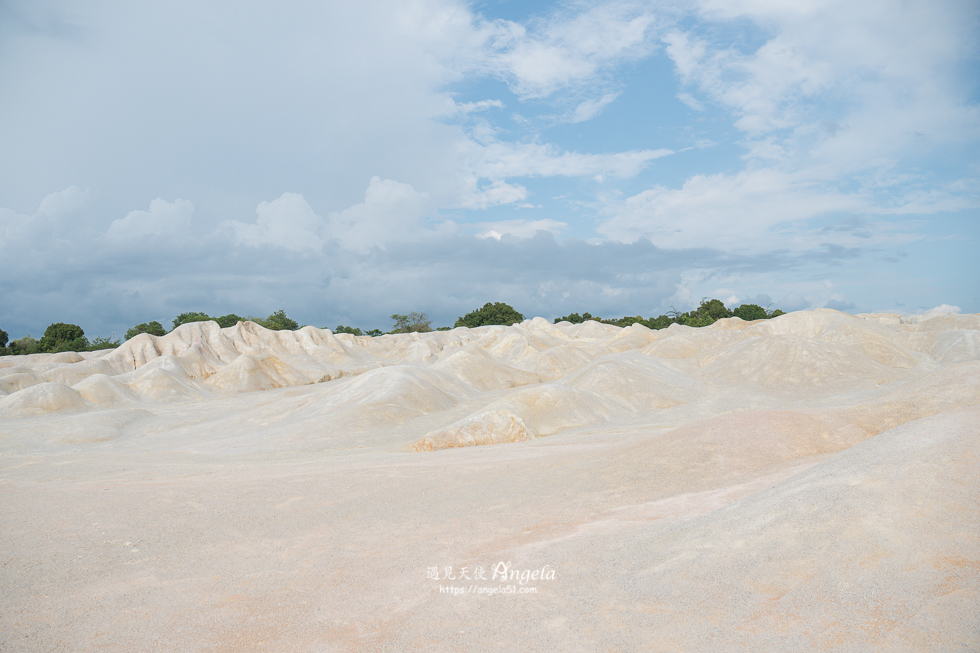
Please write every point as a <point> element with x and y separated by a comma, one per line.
<point>807,483</point>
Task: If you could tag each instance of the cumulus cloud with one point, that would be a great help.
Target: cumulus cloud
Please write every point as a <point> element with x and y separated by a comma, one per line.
<point>64,203</point>
<point>391,211</point>
<point>56,218</point>
<point>945,309</point>
<point>288,222</point>
<point>840,305</point>
<point>836,108</point>
<point>163,219</point>
<point>793,302</point>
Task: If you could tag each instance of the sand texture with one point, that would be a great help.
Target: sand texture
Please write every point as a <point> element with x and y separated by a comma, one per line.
<point>807,483</point>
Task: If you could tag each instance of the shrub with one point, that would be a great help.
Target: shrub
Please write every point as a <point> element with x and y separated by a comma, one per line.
<point>575,318</point>
<point>229,320</point>
<point>692,319</point>
<point>103,343</point>
<point>413,322</point>
<point>713,310</point>
<point>495,313</point>
<point>354,331</point>
<point>184,318</point>
<point>639,319</point>
<point>24,346</point>
<point>154,328</point>
<point>749,312</point>
<point>278,321</point>
<point>63,337</point>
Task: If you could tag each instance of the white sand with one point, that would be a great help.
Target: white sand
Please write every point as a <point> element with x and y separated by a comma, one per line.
<point>808,483</point>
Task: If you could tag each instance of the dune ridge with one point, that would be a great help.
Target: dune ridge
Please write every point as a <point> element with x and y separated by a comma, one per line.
<point>805,483</point>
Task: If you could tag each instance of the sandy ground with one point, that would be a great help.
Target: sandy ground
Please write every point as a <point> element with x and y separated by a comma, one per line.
<point>808,483</point>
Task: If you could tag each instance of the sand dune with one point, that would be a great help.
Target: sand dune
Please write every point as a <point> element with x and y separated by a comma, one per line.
<point>803,483</point>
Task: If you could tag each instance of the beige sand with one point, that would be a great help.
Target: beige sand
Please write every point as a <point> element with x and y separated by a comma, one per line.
<point>808,483</point>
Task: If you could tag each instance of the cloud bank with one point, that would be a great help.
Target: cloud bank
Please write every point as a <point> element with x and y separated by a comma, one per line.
<point>345,162</point>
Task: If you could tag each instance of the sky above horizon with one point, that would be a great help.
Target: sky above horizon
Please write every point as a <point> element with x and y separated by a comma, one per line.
<point>345,160</point>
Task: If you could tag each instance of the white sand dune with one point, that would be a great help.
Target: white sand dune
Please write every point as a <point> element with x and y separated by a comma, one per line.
<point>807,483</point>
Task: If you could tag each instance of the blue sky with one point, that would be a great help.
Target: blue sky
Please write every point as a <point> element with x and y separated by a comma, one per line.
<point>345,161</point>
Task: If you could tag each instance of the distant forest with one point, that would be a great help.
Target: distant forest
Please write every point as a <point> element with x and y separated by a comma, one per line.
<point>60,336</point>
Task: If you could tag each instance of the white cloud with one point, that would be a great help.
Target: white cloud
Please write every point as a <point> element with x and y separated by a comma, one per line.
<point>163,219</point>
<point>573,50</point>
<point>57,218</point>
<point>591,108</point>
<point>494,193</point>
<point>485,168</point>
<point>64,203</point>
<point>931,200</point>
<point>839,303</point>
<point>690,101</point>
<point>763,88</point>
<point>288,222</point>
<point>519,228</point>
<point>500,160</point>
<point>823,90</point>
<point>391,211</point>
<point>724,211</point>
<point>839,104</point>
<point>945,309</point>
<point>686,54</point>
<point>482,105</point>
<point>886,71</point>
<point>793,302</point>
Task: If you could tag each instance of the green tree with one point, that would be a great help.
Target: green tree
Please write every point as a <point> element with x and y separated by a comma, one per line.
<point>63,337</point>
<point>659,322</point>
<point>413,322</point>
<point>24,346</point>
<point>278,321</point>
<point>712,309</point>
<point>102,343</point>
<point>374,333</point>
<point>154,328</point>
<point>354,331</point>
<point>693,319</point>
<point>777,313</point>
<point>575,318</point>
<point>229,320</point>
<point>630,321</point>
<point>495,313</point>
<point>3,343</point>
<point>749,312</point>
<point>184,318</point>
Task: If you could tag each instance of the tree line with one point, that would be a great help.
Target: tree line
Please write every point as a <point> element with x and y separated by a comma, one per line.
<point>70,337</point>
<point>709,312</point>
